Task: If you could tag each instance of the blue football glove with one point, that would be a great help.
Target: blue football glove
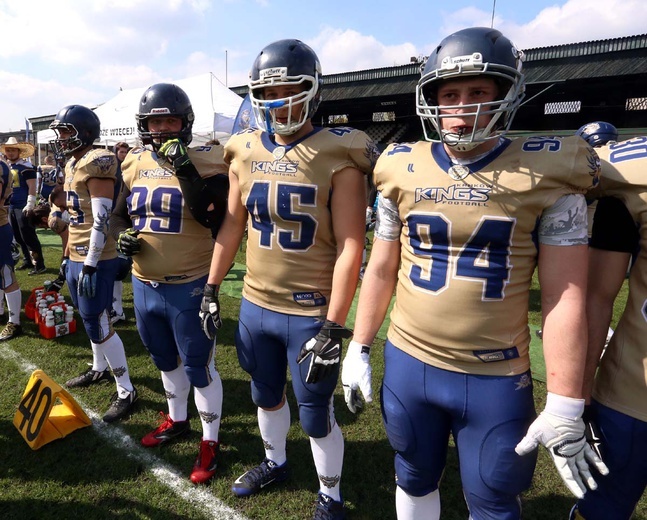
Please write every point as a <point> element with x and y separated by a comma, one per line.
<point>127,242</point>
<point>87,285</point>
<point>210,310</point>
<point>176,152</point>
<point>324,351</point>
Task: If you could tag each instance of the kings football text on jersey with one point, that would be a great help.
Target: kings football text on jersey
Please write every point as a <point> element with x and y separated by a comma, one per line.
<point>291,249</point>
<point>469,246</point>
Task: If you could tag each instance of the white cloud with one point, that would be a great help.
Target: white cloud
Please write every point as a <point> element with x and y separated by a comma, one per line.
<point>24,96</point>
<point>581,20</point>
<point>344,50</point>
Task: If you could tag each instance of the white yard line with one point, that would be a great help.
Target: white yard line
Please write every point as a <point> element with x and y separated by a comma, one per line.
<point>199,497</point>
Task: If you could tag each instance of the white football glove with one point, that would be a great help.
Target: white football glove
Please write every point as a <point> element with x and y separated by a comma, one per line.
<point>356,374</point>
<point>560,429</point>
<point>31,203</point>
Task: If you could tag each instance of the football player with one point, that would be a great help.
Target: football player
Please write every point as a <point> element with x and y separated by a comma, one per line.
<point>22,200</point>
<point>462,223</point>
<point>9,287</point>
<point>619,403</point>
<point>117,313</point>
<point>164,184</point>
<point>301,192</point>
<point>90,272</point>
<point>47,177</point>
<point>597,134</point>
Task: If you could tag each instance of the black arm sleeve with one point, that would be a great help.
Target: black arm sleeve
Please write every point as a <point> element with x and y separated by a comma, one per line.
<point>614,228</point>
<point>119,218</point>
<point>201,193</point>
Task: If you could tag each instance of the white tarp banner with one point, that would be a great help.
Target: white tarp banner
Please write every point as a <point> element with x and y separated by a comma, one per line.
<point>214,105</point>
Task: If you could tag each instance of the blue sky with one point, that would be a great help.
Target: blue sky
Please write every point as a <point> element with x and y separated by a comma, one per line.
<point>55,53</point>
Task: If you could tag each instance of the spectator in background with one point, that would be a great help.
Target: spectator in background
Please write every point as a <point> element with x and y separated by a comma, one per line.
<point>117,313</point>
<point>23,199</point>
<point>121,149</point>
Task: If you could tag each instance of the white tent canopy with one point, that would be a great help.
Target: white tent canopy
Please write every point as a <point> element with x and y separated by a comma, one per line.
<point>214,105</point>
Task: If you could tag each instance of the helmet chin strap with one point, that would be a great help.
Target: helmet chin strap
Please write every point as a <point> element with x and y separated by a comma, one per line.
<point>454,140</point>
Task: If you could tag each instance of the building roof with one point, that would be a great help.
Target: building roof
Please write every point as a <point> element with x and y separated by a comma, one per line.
<point>594,59</point>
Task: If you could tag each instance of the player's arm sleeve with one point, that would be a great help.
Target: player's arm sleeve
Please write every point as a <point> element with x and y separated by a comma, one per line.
<point>101,207</point>
<point>614,229</point>
<point>120,219</point>
<point>206,198</point>
<point>387,220</point>
<point>565,222</point>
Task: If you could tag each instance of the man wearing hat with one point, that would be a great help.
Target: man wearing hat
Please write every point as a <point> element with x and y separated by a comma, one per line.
<point>23,199</point>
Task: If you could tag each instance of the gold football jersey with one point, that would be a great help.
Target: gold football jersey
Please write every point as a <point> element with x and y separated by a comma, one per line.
<point>175,248</point>
<point>291,247</point>
<point>621,381</point>
<point>469,246</point>
<point>100,164</point>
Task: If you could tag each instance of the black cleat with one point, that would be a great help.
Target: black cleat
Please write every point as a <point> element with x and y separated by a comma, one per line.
<point>120,407</point>
<point>90,377</point>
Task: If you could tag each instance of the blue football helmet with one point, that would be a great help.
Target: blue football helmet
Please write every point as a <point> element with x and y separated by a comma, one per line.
<point>164,99</point>
<point>478,51</point>
<point>285,62</point>
<point>82,122</point>
<point>598,133</point>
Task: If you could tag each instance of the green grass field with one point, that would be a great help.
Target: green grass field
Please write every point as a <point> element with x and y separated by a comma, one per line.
<point>100,472</point>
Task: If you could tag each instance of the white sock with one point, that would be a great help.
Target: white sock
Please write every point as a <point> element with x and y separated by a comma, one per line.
<point>417,508</point>
<point>208,401</point>
<point>99,362</point>
<point>117,293</point>
<point>328,455</point>
<point>177,388</point>
<point>13,305</point>
<point>113,350</point>
<point>274,428</point>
